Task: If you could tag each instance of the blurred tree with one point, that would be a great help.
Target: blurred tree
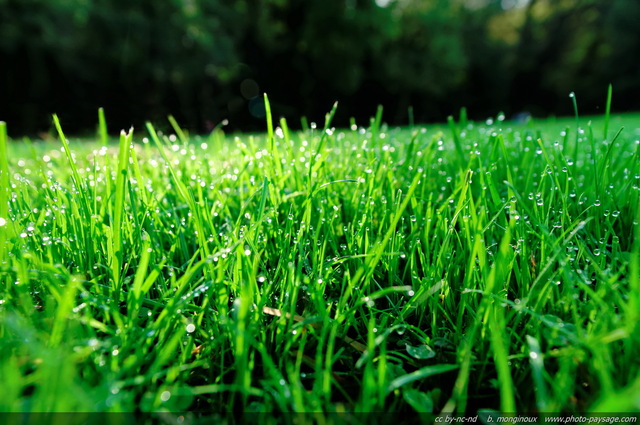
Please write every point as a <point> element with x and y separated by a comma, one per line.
<point>308,54</point>
<point>489,34</point>
<point>574,45</point>
<point>172,56</point>
<point>207,60</point>
<point>141,59</point>
<point>423,57</point>
<point>36,47</point>
<point>617,56</point>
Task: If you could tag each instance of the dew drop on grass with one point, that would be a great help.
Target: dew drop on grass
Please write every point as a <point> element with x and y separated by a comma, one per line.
<point>191,328</point>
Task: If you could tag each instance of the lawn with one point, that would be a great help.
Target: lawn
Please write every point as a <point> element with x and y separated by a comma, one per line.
<point>464,268</point>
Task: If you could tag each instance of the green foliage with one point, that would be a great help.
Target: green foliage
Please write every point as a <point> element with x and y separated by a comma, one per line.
<point>206,61</point>
<point>426,54</point>
<point>109,52</point>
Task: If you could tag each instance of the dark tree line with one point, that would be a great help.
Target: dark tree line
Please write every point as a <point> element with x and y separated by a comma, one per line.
<point>205,61</point>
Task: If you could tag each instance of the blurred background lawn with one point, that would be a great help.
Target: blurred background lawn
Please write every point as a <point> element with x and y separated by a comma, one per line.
<point>205,61</point>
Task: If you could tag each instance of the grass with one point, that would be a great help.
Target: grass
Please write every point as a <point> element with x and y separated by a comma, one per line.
<point>463,268</point>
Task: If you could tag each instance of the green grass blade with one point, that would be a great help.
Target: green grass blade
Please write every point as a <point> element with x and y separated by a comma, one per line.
<point>5,194</point>
<point>456,140</point>
<point>536,360</point>
<point>117,260</point>
<point>77,181</point>
<point>103,135</point>
<point>421,373</point>
<point>607,112</point>
<point>182,136</point>
<point>574,101</point>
